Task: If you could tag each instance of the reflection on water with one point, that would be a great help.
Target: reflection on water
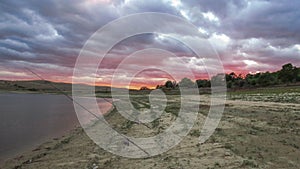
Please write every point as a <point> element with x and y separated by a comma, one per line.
<point>27,120</point>
<point>87,118</point>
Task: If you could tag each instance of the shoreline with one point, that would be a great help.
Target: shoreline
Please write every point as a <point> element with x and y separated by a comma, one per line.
<point>251,134</point>
<point>16,154</point>
<point>34,148</point>
<point>29,155</point>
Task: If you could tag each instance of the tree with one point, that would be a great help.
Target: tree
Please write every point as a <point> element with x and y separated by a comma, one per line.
<point>231,77</point>
<point>144,88</point>
<point>218,80</point>
<point>288,73</point>
<point>250,80</point>
<point>202,83</point>
<point>239,81</point>
<point>169,84</point>
<point>298,74</point>
<point>186,82</point>
<point>175,84</point>
<point>266,79</point>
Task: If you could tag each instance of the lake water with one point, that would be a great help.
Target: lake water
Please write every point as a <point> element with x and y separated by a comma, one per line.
<point>28,120</point>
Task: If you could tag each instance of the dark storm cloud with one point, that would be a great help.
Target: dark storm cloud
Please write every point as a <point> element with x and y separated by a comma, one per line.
<point>58,27</point>
<point>253,18</point>
<point>222,8</point>
<point>137,6</point>
<point>272,27</point>
<point>150,40</point>
<point>266,19</point>
<point>49,34</point>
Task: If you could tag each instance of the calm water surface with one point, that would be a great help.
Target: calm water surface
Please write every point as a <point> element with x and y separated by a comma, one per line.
<point>27,120</point>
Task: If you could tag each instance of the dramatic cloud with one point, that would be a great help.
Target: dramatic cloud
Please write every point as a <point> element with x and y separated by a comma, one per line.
<point>47,36</point>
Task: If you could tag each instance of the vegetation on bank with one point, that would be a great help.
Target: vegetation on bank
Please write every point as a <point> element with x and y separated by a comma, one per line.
<point>288,75</point>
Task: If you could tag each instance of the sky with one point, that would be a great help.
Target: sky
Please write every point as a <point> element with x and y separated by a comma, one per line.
<point>47,36</point>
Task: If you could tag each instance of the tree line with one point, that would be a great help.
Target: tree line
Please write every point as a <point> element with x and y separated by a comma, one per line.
<point>287,75</point>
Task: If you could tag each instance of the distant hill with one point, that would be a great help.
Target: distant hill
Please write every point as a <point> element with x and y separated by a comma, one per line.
<point>43,86</point>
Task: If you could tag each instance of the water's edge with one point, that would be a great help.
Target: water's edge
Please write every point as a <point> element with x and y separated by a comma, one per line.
<point>41,141</point>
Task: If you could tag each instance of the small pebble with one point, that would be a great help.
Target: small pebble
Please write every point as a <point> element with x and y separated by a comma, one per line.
<point>95,166</point>
<point>227,154</point>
